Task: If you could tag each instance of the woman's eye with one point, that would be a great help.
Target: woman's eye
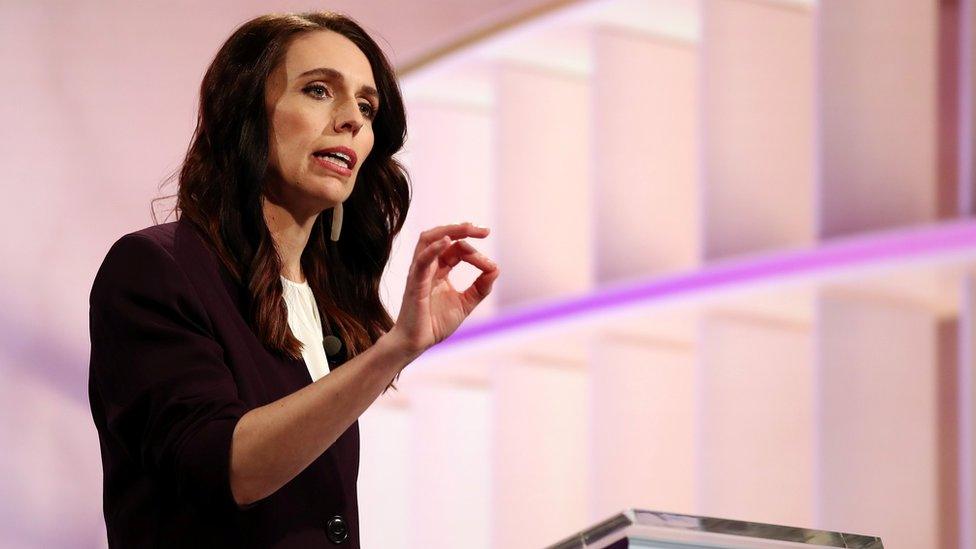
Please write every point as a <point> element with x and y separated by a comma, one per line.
<point>316,87</point>
<point>369,111</point>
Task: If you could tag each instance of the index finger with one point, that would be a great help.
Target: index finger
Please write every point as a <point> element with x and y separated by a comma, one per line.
<point>455,231</point>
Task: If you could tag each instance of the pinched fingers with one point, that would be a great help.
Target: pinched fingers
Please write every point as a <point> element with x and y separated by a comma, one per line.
<point>463,250</point>
<point>481,286</point>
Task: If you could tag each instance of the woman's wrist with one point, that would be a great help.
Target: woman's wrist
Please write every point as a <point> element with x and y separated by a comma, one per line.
<point>397,348</point>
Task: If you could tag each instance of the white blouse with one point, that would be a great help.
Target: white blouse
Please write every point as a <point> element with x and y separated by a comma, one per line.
<point>305,324</point>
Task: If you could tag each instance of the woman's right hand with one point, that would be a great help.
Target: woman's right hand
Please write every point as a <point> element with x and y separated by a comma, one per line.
<point>432,309</point>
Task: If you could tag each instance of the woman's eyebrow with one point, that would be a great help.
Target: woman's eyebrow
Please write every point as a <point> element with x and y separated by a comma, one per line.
<point>332,74</point>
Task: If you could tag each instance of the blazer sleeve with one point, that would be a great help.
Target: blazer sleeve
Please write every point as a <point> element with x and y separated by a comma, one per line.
<point>167,395</point>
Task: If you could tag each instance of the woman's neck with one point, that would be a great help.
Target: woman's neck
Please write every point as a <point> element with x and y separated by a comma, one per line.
<point>290,235</point>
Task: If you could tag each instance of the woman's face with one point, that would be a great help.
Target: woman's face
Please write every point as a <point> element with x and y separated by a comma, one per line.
<point>321,99</point>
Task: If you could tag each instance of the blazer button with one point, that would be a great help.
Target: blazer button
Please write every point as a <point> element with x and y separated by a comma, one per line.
<point>336,529</point>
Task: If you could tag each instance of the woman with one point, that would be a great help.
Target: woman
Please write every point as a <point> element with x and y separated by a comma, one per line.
<point>223,415</point>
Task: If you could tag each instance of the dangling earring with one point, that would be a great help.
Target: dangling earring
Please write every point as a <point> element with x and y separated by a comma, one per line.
<point>336,221</point>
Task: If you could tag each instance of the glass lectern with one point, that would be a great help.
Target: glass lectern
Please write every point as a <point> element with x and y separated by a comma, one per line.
<point>655,530</point>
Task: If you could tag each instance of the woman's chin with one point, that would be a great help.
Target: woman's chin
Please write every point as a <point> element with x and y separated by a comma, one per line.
<point>337,185</point>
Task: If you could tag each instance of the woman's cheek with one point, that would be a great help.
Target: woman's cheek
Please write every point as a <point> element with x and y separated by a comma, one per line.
<point>293,126</point>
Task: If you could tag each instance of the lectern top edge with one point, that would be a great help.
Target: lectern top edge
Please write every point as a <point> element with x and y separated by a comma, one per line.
<point>643,526</point>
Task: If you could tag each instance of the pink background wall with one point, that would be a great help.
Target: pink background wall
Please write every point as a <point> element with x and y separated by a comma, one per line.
<point>736,243</point>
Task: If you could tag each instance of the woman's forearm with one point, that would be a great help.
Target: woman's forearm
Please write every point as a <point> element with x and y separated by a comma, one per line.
<point>274,443</point>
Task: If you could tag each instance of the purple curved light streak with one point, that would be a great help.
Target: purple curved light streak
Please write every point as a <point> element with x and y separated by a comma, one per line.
<point>845,253</point>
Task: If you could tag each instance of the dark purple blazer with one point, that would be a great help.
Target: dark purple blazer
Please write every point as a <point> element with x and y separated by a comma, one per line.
<point>174,366</point>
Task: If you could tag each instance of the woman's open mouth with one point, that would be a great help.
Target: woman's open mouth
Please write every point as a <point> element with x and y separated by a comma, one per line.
<point>332,163</point>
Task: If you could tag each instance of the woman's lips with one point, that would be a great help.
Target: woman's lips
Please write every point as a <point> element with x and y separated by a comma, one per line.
<point>341,170</point>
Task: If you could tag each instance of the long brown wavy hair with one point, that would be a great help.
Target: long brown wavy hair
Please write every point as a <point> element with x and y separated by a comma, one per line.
<point>221,186</point>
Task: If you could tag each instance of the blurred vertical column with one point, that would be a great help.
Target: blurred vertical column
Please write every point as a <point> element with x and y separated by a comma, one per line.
<point>451,490</point>
<point>645,179</point>
<point>641,426</point>
<point>753,382</point>
<point>967,416</point>
<point>967,107</point>
<point>757,127</point>
<point>544,220</point>
<point>878,380</point>
<point>950,78</point>
<point>539,457</point>
<point>878,84</point>
<point>644,151</point>
<point>949,426</point>
<point>879,67</point>
<point>755,406</point>
<point>544,205</point>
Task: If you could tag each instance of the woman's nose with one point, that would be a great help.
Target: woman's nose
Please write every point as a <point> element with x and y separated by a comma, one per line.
<point>348,117</point>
